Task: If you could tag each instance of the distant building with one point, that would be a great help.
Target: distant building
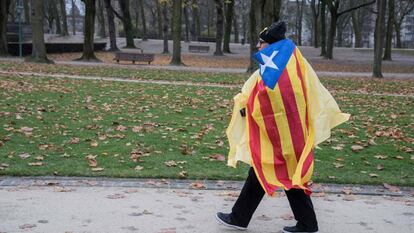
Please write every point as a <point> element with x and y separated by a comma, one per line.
<point>407,31</point>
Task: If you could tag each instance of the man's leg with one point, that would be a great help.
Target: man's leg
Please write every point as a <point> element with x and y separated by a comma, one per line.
<point>250,197</point>
<point>302,208</point>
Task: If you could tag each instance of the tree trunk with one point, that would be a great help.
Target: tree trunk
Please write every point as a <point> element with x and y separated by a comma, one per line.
<point>73,18</point>
<point>159,18</point>
<point>196,19</point>
<point>229,6</point>
<point>390,30</point>
<point>176,32</point>
<point>186,21</point>
<point>38,40</point>
<point>126,20</point>
<point>111,26</point>
<point>144,24</point>
<point>235,27</point>
<point>253,36</point>
<point>57,18</point>
<point>101,19</point>
<point>27,11</point>
<point>331,35</point>
<point>219,27</point>
<point>315,16</point>
<point>64,19</point>
<point>89,31</point>
<point>379,38</point>
<point>357,26</point>
<point>12,10</point>
<point>398,35</point>
<point>165,26</point>
<point>299,7</point>
<point>208,21</point>
<point>4,11</point>
<point>323,28</point>
<point>49,14</point>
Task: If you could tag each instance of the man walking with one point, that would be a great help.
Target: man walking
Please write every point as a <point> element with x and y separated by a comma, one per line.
<point>281,114</point>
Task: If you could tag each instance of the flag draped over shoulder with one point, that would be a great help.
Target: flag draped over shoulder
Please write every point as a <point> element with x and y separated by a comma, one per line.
<point>288,112</point>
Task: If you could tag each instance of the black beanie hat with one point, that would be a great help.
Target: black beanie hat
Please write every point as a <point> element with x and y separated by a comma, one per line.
<point>274,32</point>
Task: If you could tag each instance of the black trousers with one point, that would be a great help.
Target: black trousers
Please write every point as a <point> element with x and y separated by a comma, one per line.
<point>252,193</point>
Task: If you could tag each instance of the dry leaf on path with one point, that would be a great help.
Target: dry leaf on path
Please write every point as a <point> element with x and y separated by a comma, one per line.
<point>197,185</point>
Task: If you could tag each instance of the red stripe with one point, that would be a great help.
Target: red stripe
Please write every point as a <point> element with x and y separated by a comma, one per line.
<point>300,74</point>
<point>254,142</point>
<point>307,163</point>
<point>292,114</point>
<point>273,134</point>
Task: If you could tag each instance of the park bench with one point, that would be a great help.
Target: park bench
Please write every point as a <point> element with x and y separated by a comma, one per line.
<point>139,57</point>
<point>206,39</point>
<point>199,48</point>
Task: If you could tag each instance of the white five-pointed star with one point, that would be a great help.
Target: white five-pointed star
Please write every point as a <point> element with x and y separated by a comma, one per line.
<point>268,62</point>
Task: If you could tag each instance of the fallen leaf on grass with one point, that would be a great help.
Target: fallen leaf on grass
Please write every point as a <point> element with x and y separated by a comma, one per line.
<point>399,157</point>
<point>380,167</point>
<point>218,157</point>
<point>36,164</point>
<point>183,174</point>
<point>97,169</point>
<point>356,148</point>
<point>382,157</point>
<point>170,163</point>
<point>91,160</point>
<point>338,165</point>
<point>24,156</point>
<point>373,175</point>
<point>139,168</point>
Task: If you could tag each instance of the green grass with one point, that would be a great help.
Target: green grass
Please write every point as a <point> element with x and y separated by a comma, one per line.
<point>174,117</point>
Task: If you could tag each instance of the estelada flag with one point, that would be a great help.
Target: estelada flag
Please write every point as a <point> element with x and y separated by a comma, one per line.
<point>288,113</point>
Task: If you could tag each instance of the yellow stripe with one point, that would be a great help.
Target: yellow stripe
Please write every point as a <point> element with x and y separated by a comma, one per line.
<point>299,95</point>
<point>266,147</point>
<point>283,128</point>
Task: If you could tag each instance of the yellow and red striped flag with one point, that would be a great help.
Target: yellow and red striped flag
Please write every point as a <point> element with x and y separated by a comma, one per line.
<point>288,112</point>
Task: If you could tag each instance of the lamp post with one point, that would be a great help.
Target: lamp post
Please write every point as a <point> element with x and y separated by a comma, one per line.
<point>19,10</point>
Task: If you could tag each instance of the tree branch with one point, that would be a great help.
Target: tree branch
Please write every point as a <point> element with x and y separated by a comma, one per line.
<point>354,8</point>
<point>116,13</point>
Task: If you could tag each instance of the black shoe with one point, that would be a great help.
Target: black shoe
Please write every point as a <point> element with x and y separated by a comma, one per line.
<point>227,221</point>
<point>299,229</point>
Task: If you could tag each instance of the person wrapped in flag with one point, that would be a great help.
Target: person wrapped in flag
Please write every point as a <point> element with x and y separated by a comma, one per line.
<point>281,114</point>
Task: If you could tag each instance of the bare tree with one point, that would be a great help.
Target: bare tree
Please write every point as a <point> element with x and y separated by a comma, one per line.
<point>111,26</point>
<point>166,24</point>
<point>299,19</point>
<point>390,30</point>
<point>159,18</point>
<point>176,32</point>
<point>252,35</point>
<point>315,15</point>
<point>229,13</point>
<point>403,8</point>
<point>196,25</point>
<point>57,18</point>
<point>38,40</point>
<point>27,11</point>
<point>126,20</point>
<point>73,17</point>
<point>323,27</point>
<point>219,27</point>
<point>89,31</point>
<point>186,20</point>
<point>235,26</point>
<point>144,24</point>
<point>333,6</point>
<point>379,38</point>
<point>62,4</point>
<point>4,12</point>
<point>101,19</point>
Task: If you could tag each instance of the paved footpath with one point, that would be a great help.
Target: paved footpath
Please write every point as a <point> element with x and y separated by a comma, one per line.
<point>50,204</point>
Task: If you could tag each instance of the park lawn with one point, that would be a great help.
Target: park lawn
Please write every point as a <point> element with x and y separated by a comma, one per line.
<point>93,128</point>
<point>344,84</point>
